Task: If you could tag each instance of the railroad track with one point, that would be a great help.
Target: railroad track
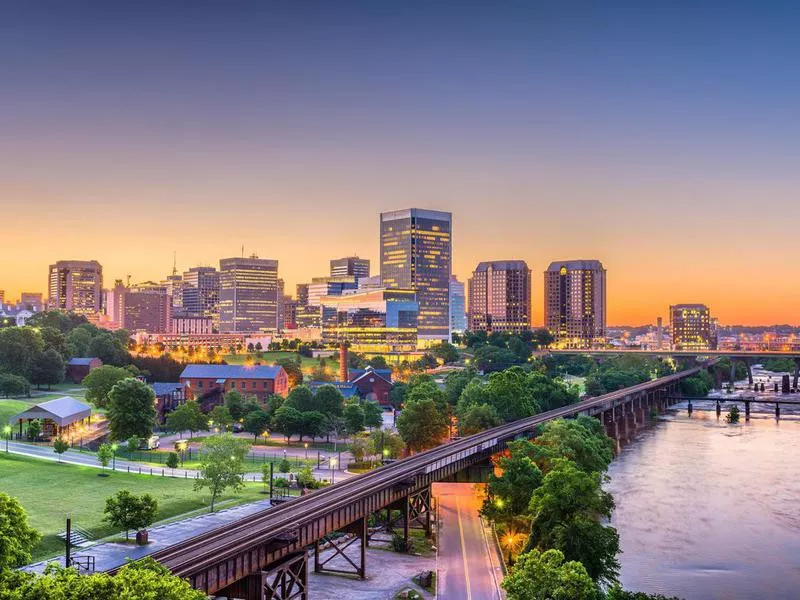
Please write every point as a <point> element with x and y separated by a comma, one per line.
<point>208,548</point>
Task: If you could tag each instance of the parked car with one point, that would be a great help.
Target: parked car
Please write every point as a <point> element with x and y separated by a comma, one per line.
<point>150,443</point>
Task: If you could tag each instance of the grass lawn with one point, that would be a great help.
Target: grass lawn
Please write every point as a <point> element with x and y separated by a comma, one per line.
<point>49,490</point>
<point>9,408</point>
<point>306,364</point>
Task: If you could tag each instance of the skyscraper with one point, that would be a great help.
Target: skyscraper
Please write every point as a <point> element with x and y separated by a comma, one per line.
<point>248,295</point>
<point>200,293</point>
<point>416,254</point>
<point>691,327</point>
<point>500,296</point>
<point>458,306</point>
<point>145,307</point>
<point>350,265</point>
<point>575,302</point>
<point>76,286</point>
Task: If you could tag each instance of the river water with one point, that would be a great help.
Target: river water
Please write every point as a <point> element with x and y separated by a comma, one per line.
<point>707,510</point>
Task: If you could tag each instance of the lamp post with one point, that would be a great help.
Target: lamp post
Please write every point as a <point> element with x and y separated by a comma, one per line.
<point>114,457</point>
<point>333,470</point>
<point>306,447</point>
<point>7,433</point>
<point>385,454</point>
<point>266,435</point>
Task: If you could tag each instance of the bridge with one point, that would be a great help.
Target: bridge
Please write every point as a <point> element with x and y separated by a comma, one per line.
<point>265,556</point>
<point>748,358</point>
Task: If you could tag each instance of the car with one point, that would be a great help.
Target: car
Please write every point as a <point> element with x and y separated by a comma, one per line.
<point>150,443</point>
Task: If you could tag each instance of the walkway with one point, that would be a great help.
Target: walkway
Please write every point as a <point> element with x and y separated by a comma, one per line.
<point>466,564</point>
<point>109,555</point>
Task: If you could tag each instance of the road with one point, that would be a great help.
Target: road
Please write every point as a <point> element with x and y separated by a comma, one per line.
<point>467,566</point>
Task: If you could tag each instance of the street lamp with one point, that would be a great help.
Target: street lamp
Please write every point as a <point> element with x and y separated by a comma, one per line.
<point>385,453</point>
<point>7,432</point>
<point>306,447</point>
<point>266,435</point>
<point>333,470</point>
<point>114,456</point>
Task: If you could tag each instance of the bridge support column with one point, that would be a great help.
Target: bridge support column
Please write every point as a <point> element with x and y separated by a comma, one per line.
<point>747,410</point>
<point>796,372</point>
<point>286,580</point>
<point>749,372</point>
<point>777,410</point>
<point>358,531</point>
<point>732,376</point>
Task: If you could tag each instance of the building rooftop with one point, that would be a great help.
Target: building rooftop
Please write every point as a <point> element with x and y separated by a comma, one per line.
<point>160,389</point>
<point>84,362</point>
<point>63,411</point>
<point>230,372</point>
<point>501,265</point>
<point>575,265</point>
<point>347,389</point>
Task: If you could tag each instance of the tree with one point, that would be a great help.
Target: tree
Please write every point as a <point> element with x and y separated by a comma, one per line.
<point>221,465</point>
<point>329,400</point>
<point>288,421</point>
<point>354,418</point>
<point>99,381</point>
<point>234,402</point>
<point>509,493</point>
<point>128,511</point>
<point>422,425</point>
<point>131,409</point>
<point>187,417</point>
<point>173,460</point>
<point>256,422</point>
<point>133,444</point>
<point>373,414</point>
<point>477,418</point>
<point>17,537</point>
<point>301,398</point>
<point>18,346</point>
<point>34,429</point>
<point>490,359</point>
<point>397,395</point>
<point>13,385</point>
<point>455,382</point>
<point>427,390</point>
<point>617,593</point>
<point>78,341</point>
<point>546,576</point>
<point>358,448</point>
<point>47,368</point>
<point>108,348</point>
<point>292,368</point>
<point>581,440</point>
<point>104,455</point>
<point>60,446</point>
<point>697,386</point>
<point>566,510</point>
<point>386,444</point>
<point>221,417</point>
<point>446,352</point>
<point>312,424</point>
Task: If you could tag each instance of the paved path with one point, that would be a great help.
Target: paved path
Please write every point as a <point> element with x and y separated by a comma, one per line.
<point>109,555</point>
<point>465,567</point>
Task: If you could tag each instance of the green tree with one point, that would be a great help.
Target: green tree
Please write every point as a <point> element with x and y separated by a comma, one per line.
<point>292,367</point>
<point>697,386</point>
<point>187,417</point>
<point>373,414</point>
<point>329,400</point>
<point>47,368</point>
<point>427,390</point>
<point>547,576</point>
<point>312,424</point>
<point>173,460</point>
<point>509,493</point>
<point>131,409</point>
<point>34,429</point>
<point>477,418</point>
<point>108,348</point>
<point>446,352</point>
<point>133,444</point>
<point>490,359</point>
<point>358,448</point>
<point>17,537</point>
<point>235,404</point>
<point>99,381</point>
<point>301,398</point>
<point>60,446</point>
<point>128,511</point>
<point>221,465</point>
<point>78,341</point>
<point>397,395</point>
<point>617,593</point>
<point>455,382</point>
<point>288,421</point>
<point>18,347</point>
<point>422,425</point>
<point>221,417</point>
<point>104,455</point>
<point>581,440</point>
<point>14,385</point>
<point>256,422</point>
<point>354,418</point>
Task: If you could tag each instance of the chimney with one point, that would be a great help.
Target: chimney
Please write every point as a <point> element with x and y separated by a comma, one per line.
<point>344,360</point>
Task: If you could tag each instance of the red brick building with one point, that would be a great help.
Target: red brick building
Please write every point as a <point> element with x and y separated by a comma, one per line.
<point>373,384</point>
<point>208,383</point>
<point>78,368</point>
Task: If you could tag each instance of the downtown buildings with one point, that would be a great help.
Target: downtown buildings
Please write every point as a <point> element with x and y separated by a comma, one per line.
<point>416,254</point>
<point>76,286</point>
<point>575,302</point>
<point>248,295</point>
<point>692,327</point>
<point>458,306</point>
<point>500,297</point>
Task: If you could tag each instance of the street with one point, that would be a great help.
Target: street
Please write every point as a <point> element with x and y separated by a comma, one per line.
<point>468,567</point>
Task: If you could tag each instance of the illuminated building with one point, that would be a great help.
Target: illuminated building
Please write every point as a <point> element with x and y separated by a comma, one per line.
<point>308,317</point>
<point>350,265</point>
<point>500,296</point>
<point>191,325</point>
<point>458,306</point>
<point>374,321</point>
<point>302,294</point>
<point>691,327</point>
<point>209,383</point>
<point>145,307</point>
<point>76,286</point>
<point>31,301</point>
<point>329,286</point>
<point>575,302</point>
<point>200,294</point>
<point>416,254</point>
<point>248,295</point>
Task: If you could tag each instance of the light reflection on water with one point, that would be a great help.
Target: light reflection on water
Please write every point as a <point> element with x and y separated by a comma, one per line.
<point>707,510</point>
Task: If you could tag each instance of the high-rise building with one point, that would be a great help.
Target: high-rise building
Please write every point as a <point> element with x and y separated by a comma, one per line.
<point>575,302</point>
<point>691,327</point>
<point>500,296</point>
<point>76,286</point>
<point>248,295</point>
<point>329,286</point>
<point>2,297</point>
<point>145,307</point>
<point>175,285</point>
<point>458,306</point>
<point>416,254</point>
<point>31,301</point>
<point>350,265</point>
<point>302,294</point>
<point>289,312</point>
<point>200,294</point>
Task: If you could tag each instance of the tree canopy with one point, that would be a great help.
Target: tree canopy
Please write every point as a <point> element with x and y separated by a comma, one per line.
<point>17,537</point>
<point>221,465</point>
<point>99,382</point>
<point>131,409</point>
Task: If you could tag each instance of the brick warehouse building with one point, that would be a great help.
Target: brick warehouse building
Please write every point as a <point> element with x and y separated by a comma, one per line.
<point>208,383</point>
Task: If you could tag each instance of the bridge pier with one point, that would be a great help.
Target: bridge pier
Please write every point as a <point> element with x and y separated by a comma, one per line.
<point>796,372</point>
<point>286,580</point>
<point>358,530</point>
<point>777,410</point>
<point>746,410</point>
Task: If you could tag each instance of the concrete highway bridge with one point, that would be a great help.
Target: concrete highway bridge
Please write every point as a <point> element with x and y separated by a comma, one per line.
<point>748,358</point>
<point>266,556</point>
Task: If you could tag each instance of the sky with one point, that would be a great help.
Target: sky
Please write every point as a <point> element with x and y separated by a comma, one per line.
<point>662,138</point>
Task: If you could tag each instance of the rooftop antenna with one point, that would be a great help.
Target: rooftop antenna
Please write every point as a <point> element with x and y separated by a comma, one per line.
<point>242,250</point>
<point>174,262</point>
<point>128,284</point>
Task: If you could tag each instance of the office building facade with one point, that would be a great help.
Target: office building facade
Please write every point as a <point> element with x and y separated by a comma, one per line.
<point>692,327</point>
<point>350,266</point>
<point>248,295</point>
<point>458,306</point>
<point>500,296</point>
<point>416,254</point>
<point>200,293</point>
<point>575,302</point>
<point>76,286</point>
<point>145,307</point>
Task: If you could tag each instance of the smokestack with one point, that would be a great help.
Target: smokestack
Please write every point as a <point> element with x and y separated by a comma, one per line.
<point>344,360</point>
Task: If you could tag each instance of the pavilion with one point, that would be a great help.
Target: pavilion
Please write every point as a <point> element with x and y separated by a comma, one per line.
<point>58,416</point>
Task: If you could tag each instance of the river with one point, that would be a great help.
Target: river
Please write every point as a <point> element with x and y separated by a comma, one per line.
<point>707,510</point>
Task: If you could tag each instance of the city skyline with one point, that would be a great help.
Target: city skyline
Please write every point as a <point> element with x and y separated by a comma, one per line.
<point>639,135</point>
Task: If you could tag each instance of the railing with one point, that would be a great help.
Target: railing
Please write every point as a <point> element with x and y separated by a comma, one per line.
<point>83,562</point>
